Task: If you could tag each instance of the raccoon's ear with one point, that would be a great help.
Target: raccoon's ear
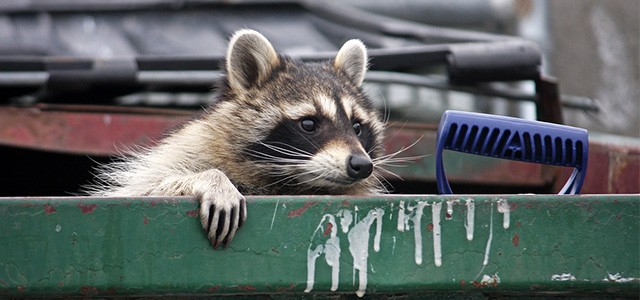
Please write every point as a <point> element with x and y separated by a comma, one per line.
<point>250,59</point>
<point>352,59</point>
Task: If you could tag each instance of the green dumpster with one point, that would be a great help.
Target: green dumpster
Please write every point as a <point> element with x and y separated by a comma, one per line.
<point>412,245</point>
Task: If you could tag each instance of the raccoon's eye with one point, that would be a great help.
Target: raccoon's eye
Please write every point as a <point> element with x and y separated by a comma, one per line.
<point>357,128</point>
<point>308,125</point>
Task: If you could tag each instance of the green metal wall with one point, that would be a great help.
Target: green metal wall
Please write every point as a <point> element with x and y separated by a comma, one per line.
<point>415,245</point>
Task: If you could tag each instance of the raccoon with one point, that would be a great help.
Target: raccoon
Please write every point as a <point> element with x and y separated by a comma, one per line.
<point>277,127</point>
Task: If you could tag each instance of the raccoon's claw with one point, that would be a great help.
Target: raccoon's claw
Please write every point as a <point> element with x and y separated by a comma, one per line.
<point>221,217</point>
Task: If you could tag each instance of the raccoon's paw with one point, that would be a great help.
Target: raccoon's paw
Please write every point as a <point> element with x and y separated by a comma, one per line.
<point>222,211</point>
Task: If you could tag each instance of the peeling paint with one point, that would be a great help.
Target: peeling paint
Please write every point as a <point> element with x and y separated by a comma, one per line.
<point>450,204</point>
<point>248,288</point>
<point>359,245</point>
<point>618,278</point>
<point>358,237</point>
<point>516,240</point>
<point>329,229</point>
<point>435,218</point>
<point>505,209</point>
<point>273,218</point>
<point>401,215</point>
<point>214,288</point>
<point>487,280</point>
<point>48,209</point>
<point>87,208</point>
<point>286,288</point>
<point>417,230</point>
<point>299,211</point>
<point>563,277</point>
<point>330,249</point>
<point>469,221</point>
<point>345,219</point>
<point>487,250</point>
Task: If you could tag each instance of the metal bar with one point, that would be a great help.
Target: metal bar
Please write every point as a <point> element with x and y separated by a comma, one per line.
<point>442,83</point>
<point>490,246</point>
<point>207,78</point>
<point>548,104</point>
<point>27,78</point>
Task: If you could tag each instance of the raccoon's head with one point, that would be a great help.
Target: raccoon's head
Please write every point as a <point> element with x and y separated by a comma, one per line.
<point>300,128</point>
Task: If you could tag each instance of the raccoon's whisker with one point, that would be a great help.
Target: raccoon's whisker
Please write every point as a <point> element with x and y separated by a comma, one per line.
<point>285,179</point>
<point>289,178</point>
<point>271,158</point>
<point>308,140</point>
<point>394,154</point>
<point>404,158</point>
<point>399,162</point>
<point>381,184</point>
<point>321,175</point>
<point>390,173</point>
<point>289,146</point>
<point>278,161</point>
<point>278,172</point>
<point>286,151</point>
<point>392,165</point>
<point>377,147</point>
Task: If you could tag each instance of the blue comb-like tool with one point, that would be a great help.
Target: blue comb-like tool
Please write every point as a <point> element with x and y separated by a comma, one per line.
<point>515,139</point>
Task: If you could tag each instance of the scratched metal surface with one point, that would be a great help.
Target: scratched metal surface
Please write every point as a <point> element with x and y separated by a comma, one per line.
<point>505,245</point>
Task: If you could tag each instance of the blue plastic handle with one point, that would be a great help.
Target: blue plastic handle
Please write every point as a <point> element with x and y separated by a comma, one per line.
<point>515,139</point>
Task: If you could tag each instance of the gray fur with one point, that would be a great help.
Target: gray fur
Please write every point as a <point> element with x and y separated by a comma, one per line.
<point>211,157</point>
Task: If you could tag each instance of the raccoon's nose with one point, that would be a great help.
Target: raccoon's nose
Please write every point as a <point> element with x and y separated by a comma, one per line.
<point>359,166</point>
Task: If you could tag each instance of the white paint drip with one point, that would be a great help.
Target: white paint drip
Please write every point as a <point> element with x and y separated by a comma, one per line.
<point>359,245</point>
<point>488,248</point>
<point>376,238</point>
<point>273,218</point>
<point>332,256</point>
<point>345,219</point>
<point>563,277</point>
<point>393,248</point>
<point>618,278</point>
<point>468,224</point>
<point>401,216</point>
<point>359,235</point>
<point>450,208</point>
<point>312,255</point>
<point>417,230</point>
<point>435,219</point>
<point>485,262</point>
<point>490,280</point>
<point>331,251</point>
<point>505,209</point>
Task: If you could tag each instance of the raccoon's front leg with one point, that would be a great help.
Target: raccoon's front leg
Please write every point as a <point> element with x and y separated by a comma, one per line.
<point>222,208</point>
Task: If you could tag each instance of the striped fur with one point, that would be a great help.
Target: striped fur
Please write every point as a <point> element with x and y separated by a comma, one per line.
<point>253,140</point>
